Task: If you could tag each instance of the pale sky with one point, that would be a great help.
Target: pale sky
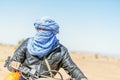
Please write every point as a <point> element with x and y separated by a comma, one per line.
<point>85,25</point>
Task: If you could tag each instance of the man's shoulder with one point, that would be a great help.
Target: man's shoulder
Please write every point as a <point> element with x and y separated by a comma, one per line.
<point>27,39</point>
<point>63,47</point>
<point>60,49</point>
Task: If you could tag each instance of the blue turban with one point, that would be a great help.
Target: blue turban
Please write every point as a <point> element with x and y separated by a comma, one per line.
<point>47,24</point>
<point>45,40</point>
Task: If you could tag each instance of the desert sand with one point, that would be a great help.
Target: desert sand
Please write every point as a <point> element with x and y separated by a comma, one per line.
<point>94,66</point>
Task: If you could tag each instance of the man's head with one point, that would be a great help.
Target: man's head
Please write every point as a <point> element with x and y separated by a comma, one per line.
<point>47,24</point>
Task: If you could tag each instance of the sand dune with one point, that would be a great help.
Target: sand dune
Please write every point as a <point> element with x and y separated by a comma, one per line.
<point>95,67</point>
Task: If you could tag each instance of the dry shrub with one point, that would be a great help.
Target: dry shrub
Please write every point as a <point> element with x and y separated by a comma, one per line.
<point>96,56</point>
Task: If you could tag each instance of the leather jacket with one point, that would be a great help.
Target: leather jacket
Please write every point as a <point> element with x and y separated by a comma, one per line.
<point>57,58</point>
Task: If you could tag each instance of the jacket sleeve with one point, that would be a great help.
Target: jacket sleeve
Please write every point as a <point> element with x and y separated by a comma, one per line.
<point>70,67</point>
<point>19,55</point>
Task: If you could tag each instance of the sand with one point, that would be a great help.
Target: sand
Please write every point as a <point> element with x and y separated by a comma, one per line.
<point>94,66</point>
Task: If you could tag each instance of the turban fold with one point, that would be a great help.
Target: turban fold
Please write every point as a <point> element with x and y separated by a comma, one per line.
<point>47,24</point>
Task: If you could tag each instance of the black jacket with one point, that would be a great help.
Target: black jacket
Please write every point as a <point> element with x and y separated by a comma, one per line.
<point>57,58</point>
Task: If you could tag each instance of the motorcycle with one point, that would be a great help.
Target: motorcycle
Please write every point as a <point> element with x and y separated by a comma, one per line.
<point>32,75</point>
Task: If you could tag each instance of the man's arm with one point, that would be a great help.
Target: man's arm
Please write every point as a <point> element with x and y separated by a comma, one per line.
<point>18,57</point>
<point>71,68</point>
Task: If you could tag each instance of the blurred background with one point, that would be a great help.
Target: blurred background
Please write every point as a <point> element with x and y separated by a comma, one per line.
<point>90,29</point>
<point>85,25</point>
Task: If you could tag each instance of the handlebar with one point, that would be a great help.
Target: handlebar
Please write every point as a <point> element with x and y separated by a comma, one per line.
<point>61,77</point>
<point>32,73</point>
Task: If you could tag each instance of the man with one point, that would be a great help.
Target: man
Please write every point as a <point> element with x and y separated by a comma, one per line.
<point>30,56</point>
